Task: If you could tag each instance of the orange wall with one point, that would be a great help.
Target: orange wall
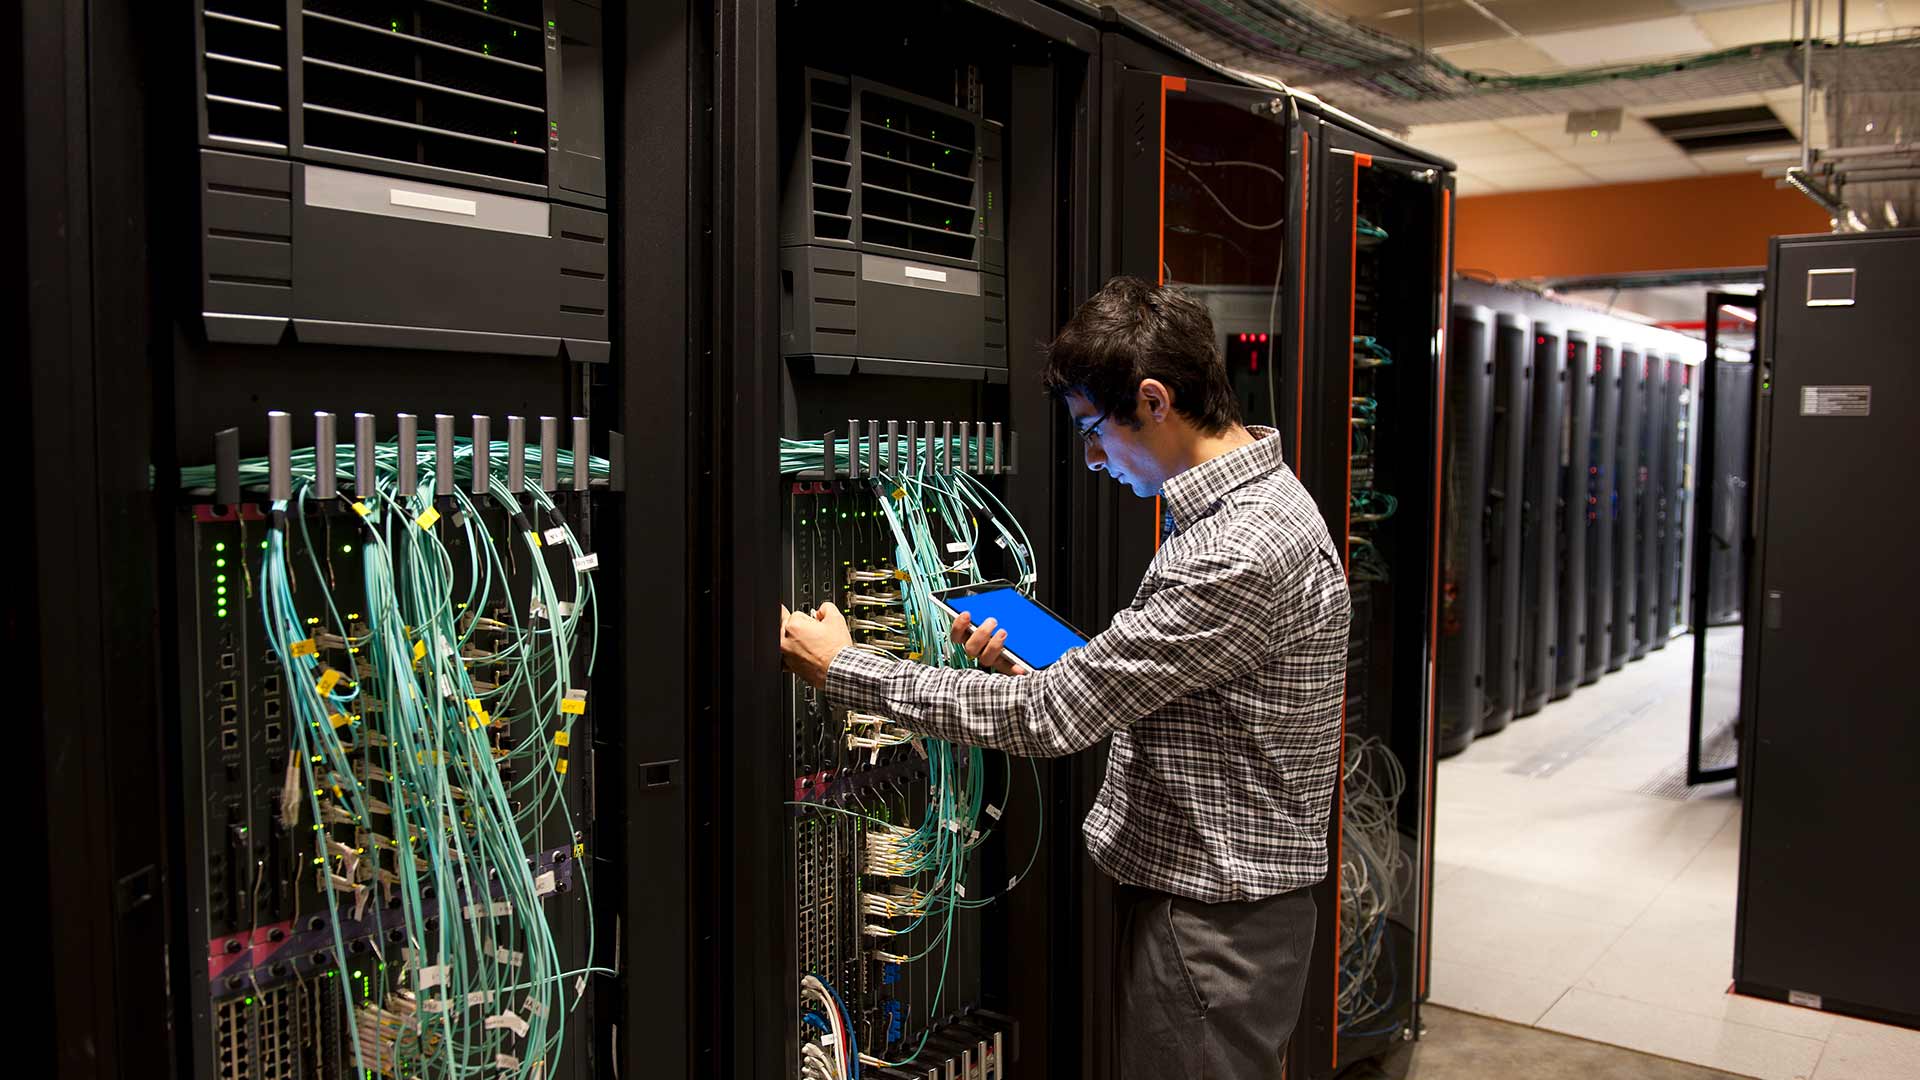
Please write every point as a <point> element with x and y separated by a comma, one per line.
<point>1698,223</point>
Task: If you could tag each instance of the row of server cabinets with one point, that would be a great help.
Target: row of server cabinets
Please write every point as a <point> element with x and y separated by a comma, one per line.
<point>463,382</point>
<point>1568,503</point>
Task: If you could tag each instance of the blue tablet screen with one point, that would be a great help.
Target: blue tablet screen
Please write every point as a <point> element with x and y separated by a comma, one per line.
<point>1033,634</point>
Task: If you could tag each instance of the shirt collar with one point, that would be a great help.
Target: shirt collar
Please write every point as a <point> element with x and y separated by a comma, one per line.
<point>1197,492</point>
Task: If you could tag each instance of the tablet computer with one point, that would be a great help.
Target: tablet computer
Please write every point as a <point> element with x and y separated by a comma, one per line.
<point>1036,637</point>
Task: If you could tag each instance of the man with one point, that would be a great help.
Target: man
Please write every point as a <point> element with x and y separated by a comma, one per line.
<point>1220,684</point>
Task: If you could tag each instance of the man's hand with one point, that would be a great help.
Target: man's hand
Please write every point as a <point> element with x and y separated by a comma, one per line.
<point>984,644</point>
<point>809,642</point>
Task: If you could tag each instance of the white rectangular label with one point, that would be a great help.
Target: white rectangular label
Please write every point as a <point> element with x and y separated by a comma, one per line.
<point>430,977</point>
<point>924,274</point>
<point>509,1020</point>
<point>420,200</point>
<point>957,548</point>
<point>543,884</point>
<point>556,535</point>
<point>1803,999</point>
<point>586,562</point>
<point>1836,400</point>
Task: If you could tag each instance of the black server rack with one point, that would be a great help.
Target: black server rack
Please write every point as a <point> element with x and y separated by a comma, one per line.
<point>1627,473</point>
<point>1674,472</point>
<point>1602,508</point>
<point>1727,516</point>
<point>369,375</point>
<point>1650,497</point>
<point>1822,788</point>
<point>1655,624</point>
<point>1506,495</point>
<point>1464,596</point>
<point>1541,520</point>
<point>901,270</point>
<point>1340,357</point>
<point>1576,507</point>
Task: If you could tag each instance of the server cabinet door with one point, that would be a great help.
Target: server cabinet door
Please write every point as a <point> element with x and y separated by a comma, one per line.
<point>1720,549</point>
<point>1830,740</point>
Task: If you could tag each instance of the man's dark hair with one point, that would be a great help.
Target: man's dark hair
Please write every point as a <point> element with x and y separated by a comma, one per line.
<point>1130,331</point>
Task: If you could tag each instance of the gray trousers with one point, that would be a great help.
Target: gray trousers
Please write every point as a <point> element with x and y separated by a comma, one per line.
<point>1208,991</point>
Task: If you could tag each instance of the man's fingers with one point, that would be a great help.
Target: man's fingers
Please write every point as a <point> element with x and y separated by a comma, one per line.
<point>990,656</point>
<point>829,613</point>
<point>977,641</point>
<point>961,625</point>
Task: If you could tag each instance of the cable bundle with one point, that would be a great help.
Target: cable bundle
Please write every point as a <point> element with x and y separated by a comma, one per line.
<point>915,875</point>
<point>1374,876</point>
<point>424,783</point>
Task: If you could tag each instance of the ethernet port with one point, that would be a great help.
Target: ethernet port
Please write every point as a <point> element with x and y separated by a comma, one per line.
<point>227,660</point>
<point>270,684</point>
<point>273,733</point>
<point>272,708</point>
<point>229,715</point>
<point>229,740</point>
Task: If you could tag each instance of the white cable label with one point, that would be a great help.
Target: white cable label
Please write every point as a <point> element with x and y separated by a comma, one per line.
<point>430,977</point>
<point>957,548</point>
<point>543,884</point>
<point>556,535</point>
<point>993,812</point>
<point>505,1061</point>
<point>960,890</point>
<point>587,562</point>
<point>434,1005</point>
<point>509,957</point>
<point>509,1020</point>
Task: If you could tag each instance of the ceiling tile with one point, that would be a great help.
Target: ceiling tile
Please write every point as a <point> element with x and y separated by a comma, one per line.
<point>1624,41</point>
<point>1534,17</point>
<point>1538,179</point>
<point>1586,153</point>
<point>1495,164</point>
<point>1624,172</point>
<point>1495,141</point>
<point>1753,23</point>
<point>1506,56</point>
<point>1730,161</point>
<point>1469,184</point>
<point>1675,108</point>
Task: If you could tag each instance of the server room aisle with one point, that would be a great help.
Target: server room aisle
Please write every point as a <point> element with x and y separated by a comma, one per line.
<point>1580,887</point>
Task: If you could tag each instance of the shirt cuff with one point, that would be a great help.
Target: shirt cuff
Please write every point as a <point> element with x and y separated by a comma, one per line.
<point>857,680</point>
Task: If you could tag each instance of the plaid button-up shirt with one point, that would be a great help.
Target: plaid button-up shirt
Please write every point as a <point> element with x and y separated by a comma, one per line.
<point>1221,685</point>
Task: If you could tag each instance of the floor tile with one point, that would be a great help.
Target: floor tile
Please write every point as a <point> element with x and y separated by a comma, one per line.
<point>1483,991</point>
<point>1519,941</point>
<point>1717,1044</point>
<point>1858,1050</point>
<point>1686,965</point>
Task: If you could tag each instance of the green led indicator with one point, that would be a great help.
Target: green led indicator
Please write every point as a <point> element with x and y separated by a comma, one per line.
<point>549,24</point>
<point>249,1001</point>
<point>221,590</point>
<point>263,545</point>
<point>219,562</point>
<point>222,613</point>
<point>221,546</point>
<point>221,578</point>
<point>396,25</point>
<point>346,549</point>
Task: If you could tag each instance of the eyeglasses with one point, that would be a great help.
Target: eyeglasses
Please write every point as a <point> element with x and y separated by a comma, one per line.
<point>1091,433</point>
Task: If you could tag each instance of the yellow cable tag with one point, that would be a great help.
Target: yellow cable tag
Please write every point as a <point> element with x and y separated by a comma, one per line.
<point>560,766</point>
<point>420,649</point>
<point>561,738</point>
<point>579,850</point>
<point>305,647</point>
<point>902,575</point>
<point>573,706</point>
<point>428,517</point>
<point>338,720</point>
<point>328,681</point>
<point>899,493</point>
<point>533,538</point>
